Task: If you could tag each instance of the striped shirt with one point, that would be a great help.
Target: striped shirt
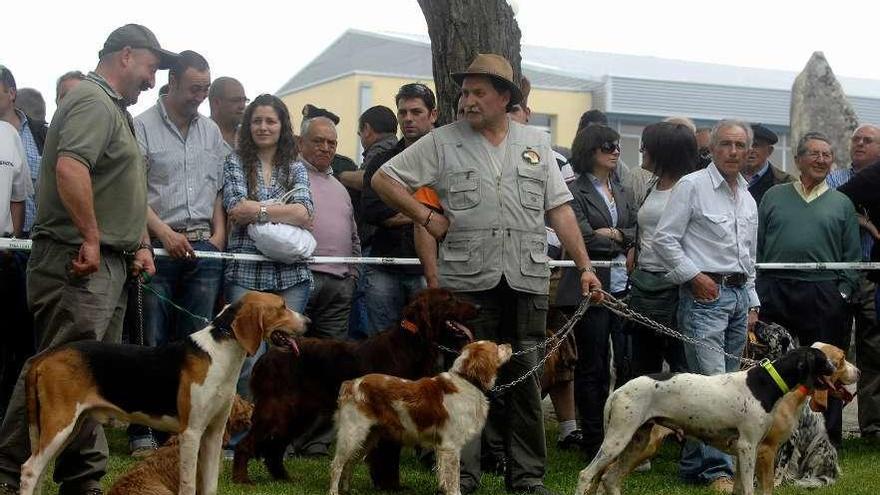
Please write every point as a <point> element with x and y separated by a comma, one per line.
<point>262,275</point>
<point>838,178</point>
<point>184,174</point>
<point>32,152</point>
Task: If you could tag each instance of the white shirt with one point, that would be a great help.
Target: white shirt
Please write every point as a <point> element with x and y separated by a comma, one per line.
<point>649,216</point>
<point>708,227</point>
<point>15,175</point>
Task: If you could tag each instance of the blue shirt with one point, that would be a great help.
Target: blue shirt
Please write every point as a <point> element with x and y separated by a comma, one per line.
<point>618,273</point>
<point>755,178</point>
<point>838,178</point>
<point>32,152</point>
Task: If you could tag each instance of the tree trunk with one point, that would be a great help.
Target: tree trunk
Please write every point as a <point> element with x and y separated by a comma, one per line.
<point>459,30</point>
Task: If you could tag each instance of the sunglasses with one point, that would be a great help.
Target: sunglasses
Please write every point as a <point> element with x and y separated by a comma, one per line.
<point>609,147</point>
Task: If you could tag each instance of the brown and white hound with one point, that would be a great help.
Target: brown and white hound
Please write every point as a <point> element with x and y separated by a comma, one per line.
<point>186,387</point>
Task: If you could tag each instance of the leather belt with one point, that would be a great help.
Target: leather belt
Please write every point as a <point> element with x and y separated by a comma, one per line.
<point>728,279</point>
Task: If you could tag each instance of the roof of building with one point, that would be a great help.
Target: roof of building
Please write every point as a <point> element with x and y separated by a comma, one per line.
<point>621,84</point>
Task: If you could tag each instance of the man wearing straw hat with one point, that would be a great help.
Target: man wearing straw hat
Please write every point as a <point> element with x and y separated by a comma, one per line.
<point>496,180</point>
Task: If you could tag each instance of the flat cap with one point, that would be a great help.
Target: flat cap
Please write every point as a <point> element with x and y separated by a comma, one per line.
<point>762,133</point>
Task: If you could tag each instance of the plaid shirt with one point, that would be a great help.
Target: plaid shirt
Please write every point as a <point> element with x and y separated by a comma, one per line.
<point>838,178</point>
<point>262,275</point>
<point>33,159</point>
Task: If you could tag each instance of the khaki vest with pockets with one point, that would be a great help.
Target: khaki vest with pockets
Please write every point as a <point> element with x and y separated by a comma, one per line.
<point>496,223</point>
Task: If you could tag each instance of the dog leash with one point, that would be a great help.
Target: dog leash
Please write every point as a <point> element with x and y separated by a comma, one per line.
<point>621,309</point>
<point>559,338</point>
<point>166,300</point>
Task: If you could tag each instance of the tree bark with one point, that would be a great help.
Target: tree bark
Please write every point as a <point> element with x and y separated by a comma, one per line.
<point>459,30</point>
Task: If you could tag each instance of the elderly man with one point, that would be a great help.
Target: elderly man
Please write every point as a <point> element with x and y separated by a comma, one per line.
<point>496,179</point>
<point>227,101</point>
<point>65,83</point>
<point>806,221</point>
<point>759,172</point>
<point>90,233</point>
<point>707,238</point>
<point>184,152</point>
<point>861,183</point>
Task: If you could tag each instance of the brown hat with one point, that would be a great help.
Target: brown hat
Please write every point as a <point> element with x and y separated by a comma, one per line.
<point>494,66</point>
<point>137,36</point>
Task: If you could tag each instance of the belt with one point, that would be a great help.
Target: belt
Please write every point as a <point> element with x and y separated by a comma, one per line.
<point>195,234</point>
<point>728,279</point>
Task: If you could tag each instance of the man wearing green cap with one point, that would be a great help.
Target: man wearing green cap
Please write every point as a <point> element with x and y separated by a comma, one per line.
<point>89,235</point>
<point>496,180</point>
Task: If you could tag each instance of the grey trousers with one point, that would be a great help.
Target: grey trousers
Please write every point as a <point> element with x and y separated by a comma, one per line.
<point>520,319</point>
<point>867,357</point>
<point>66,309</point>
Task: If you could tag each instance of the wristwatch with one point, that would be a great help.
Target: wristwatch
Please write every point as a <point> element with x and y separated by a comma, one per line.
<point>263,215</point>
<point>584,269</point>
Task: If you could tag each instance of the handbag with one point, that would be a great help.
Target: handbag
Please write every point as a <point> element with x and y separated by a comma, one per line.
<point>282,242</point>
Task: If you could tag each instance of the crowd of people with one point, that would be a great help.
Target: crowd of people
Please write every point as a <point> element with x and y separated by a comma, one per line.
<point>483,202</point>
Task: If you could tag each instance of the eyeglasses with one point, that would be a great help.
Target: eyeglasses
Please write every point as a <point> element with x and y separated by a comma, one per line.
<point>240,99</point>
<point>815,155</point>
<point>609,147</point>
<point>862,139</point>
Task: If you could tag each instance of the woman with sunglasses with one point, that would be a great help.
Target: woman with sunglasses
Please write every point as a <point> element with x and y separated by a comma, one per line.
<point>607,221</point>
<point>669,151</point>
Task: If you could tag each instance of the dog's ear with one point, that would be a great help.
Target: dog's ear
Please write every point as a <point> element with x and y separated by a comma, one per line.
<point>420,310</point>
<point>248,325</point>
<point>482,362</point>
<point>819,401</point>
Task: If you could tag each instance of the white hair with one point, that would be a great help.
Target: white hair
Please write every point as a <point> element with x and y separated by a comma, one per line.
<point>307,124</point>
<point>722,124</point>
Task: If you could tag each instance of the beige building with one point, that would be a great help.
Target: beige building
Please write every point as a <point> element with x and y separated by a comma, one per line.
<point>362,69</point>
<point>347,83</point>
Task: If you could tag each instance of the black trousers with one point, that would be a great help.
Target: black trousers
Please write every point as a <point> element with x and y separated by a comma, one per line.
<point>650,348</point>
<point>17,342</point>
<point>812,312</point>
<point>592,376</point>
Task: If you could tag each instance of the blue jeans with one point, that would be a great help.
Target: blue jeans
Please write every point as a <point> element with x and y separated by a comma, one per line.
<point>194,285</point>
<point>720,323</point>
<point>295,297</point>
<point>386,293</point>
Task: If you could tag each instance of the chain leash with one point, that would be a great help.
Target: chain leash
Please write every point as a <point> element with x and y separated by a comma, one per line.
<point>621,309</point>
<point>139,337</point>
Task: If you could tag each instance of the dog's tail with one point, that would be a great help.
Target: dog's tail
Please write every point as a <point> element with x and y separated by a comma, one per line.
<point>32,398</point>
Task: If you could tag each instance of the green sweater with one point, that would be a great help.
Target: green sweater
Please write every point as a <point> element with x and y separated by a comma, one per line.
<point>790,230</point>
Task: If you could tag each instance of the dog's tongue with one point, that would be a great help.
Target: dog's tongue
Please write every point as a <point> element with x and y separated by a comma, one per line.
<point>460,328</point>
<point>294,347</point>
<point>838,390</point>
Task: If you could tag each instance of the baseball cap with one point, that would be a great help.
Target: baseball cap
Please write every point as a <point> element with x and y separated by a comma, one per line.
<point>137,36</point>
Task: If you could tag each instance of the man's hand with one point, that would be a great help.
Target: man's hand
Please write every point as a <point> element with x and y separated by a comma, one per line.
<point>630,260</point>
<point>704,288</point>
<point>218,242</point>
<point>753,318</point>
<point>177,245</point>
<point>245,212</point>
<point>433,281</point>
<point>438,225</point>
<point>143,263</point>
<point>590,286</point>
<point>88,259</point>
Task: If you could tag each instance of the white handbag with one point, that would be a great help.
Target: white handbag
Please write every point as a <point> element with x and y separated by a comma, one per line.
<point>281,241</point>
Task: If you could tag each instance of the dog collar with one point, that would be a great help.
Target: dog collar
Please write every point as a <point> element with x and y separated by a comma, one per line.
<point>475,383</point>
<point>409,326</point>
<point>767,365</point>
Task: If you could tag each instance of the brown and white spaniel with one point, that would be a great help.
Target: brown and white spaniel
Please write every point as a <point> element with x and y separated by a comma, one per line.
<point>443,412</point>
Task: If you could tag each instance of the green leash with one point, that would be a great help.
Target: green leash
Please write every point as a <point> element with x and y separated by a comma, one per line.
<point>767,365</point>
<point>146,280</point>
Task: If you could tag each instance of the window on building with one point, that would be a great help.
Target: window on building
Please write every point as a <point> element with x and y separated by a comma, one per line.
<point>365,101</point>
<point>543,122</point>
<point>630,142</point>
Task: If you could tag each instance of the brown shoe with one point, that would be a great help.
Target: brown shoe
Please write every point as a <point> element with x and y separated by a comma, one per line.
<point>723,484</point>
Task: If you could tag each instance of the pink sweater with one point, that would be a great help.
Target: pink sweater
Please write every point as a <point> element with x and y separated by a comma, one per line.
<point>334,228</point>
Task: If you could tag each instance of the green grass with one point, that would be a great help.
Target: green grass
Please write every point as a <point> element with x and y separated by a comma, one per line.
<point>860,462</point>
